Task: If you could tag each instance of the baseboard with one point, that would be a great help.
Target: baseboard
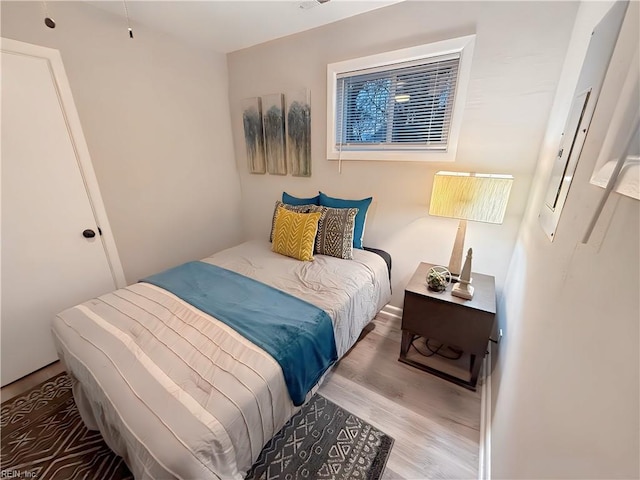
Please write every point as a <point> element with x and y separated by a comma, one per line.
<point>484,454</point>
<point>391,312</point>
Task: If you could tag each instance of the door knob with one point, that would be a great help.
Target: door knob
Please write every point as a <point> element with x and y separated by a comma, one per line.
<point>88,233</point>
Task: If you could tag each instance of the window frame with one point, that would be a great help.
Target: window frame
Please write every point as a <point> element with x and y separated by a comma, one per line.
<point>461,45</point>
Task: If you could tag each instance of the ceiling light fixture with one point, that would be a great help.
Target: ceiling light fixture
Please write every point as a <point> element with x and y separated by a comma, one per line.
<point>311,3</point>
<point>48,21</point>
<point>126,13</point>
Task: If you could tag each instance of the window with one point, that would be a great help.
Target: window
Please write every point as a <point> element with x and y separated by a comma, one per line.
<point>402,105</point>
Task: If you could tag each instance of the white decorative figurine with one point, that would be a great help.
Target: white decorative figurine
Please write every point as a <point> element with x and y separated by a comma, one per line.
<point>463,288</point>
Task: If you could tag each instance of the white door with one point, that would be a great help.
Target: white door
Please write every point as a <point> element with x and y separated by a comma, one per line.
<point>47,263</point>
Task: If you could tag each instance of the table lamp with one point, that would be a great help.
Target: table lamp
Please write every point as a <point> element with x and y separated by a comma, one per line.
<point>478,197</point>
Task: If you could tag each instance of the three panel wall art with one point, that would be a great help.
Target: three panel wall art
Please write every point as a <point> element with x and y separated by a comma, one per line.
<point>277,133</point>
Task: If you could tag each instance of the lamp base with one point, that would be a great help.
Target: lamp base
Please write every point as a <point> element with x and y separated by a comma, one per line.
<point>455,263</point>
<point>462,290</point>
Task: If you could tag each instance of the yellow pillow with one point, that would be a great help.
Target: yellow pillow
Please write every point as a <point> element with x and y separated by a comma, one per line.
<point>294,234</point>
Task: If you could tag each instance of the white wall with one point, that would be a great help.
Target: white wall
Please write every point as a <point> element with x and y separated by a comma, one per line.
<point>518,55</point>
<point>155,114</point>
<point>567,376</point>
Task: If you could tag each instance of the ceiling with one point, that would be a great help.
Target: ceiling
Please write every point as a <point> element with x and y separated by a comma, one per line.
<point>226,26</point>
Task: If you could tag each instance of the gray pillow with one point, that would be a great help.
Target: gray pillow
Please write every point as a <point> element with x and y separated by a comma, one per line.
<point>293,208</point>
<point>335,232</point>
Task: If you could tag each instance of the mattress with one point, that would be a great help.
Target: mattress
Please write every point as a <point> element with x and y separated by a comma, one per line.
<point>178,393</point>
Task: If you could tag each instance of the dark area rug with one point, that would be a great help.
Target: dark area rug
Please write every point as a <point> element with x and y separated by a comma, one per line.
<point>43,437</point>
<point>324,441</point>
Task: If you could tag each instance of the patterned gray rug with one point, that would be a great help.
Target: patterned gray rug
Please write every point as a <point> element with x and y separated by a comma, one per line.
<point>324,441</point>
<point>43,437</point>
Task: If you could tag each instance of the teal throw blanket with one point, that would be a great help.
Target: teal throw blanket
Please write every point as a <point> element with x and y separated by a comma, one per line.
<point>297,334</point>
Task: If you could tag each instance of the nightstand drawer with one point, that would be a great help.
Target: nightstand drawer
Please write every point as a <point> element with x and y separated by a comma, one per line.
<point>452,324</point>
<point>448,320</point>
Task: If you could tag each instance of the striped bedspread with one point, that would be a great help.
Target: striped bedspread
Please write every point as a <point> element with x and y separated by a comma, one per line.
<point>172,368</point>
<point>297,334</point>
<point>178,393</point>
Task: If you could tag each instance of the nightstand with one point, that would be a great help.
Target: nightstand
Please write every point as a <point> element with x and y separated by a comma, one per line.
<point>466,324</point>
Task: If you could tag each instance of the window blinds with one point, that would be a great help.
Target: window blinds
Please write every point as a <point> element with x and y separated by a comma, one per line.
<point>400,106</point>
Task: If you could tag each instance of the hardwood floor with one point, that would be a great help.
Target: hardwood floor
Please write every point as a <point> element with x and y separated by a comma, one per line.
<point>435,424</point>
<point>30,381</point>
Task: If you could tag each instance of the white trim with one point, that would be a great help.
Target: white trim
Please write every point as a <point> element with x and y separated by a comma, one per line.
<point>484,453</point>
<point>81,150</point>
<point>462,45</point>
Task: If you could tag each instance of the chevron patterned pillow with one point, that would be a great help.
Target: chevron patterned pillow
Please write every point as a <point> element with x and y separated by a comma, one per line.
<point>294,233</point>
<point>294,208</point>
<point>335,232</point>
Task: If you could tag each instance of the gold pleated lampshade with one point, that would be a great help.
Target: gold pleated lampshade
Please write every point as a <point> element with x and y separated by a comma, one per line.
<point>470,196</point>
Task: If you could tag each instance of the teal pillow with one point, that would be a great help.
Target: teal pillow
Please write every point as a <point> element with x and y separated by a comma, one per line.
<point>291,200</point>
<point>361,217</point>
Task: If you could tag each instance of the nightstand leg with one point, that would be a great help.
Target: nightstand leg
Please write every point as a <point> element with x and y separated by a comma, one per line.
<point>407,338</point>
<point>475,370</point>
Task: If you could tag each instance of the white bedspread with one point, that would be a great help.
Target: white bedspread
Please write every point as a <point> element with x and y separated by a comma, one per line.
<point>352,292</point>
<point>178,393</point>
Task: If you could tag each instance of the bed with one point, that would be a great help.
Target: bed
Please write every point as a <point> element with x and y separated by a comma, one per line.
<point>179,393</point>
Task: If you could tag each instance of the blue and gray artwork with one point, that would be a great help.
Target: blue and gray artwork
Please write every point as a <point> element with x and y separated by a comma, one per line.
<point>299,134</point>
<point>253,135</point>
<point>273,124</point>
